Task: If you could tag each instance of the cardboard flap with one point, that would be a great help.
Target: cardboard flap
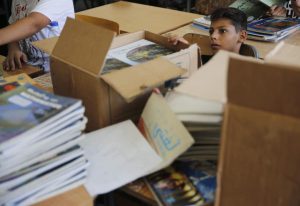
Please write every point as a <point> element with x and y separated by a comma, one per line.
<point>84,45</point>
<point>269,87</point>
<point>133,81</point>
<point>46,45</point>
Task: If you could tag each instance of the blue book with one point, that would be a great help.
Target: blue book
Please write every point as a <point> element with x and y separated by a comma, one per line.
<point>27,109</point>
<point>274,25</point>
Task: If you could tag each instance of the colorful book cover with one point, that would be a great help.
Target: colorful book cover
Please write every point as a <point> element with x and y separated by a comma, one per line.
<point>173,188</point>
<point>274,25</point>
<point>8,87</point>
<point>26,107</point>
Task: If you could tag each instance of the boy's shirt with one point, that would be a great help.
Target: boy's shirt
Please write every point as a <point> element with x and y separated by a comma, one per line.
<point>56,10</point>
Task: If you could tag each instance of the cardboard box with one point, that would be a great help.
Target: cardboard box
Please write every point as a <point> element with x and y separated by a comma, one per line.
<point>134,17</point>
<point>77,60</point>
<point>259,160</point>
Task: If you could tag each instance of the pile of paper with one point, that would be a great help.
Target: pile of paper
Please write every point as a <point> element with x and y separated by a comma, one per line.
<point>202,118</point>
<point>39,152</point>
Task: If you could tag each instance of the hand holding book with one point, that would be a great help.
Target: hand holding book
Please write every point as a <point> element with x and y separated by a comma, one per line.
<point>296,7</point>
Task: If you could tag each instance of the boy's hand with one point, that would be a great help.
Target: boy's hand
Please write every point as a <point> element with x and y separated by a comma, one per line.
<point>15,58</point>
<point>276,11</point>
<point>296,7</point>
<point>175,40</point>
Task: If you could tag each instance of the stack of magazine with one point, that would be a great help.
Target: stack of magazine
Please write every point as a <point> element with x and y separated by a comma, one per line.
<point>203,119</point>
<point>270,29</point>
<point>39,152</point>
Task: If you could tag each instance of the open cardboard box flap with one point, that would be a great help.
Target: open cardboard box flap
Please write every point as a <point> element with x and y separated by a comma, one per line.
<point>269,87</point>
<point>83,45</point>
<point>79,40</point>
<point>142,77</point>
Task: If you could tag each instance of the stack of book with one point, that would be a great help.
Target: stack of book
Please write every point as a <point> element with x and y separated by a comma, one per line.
<point>270,29</point>
<point>273,28</point>
<point>39,152</point>
<point>203,119</point>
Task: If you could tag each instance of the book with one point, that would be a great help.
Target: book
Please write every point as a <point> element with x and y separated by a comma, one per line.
<point>28,109</point>
<point>278,26</point>
<point>185,104</point>
<point>173,188</point>
<point>255,9</point>
<point>184,183</point>
<point>132,54</point>
<point>8,86</point>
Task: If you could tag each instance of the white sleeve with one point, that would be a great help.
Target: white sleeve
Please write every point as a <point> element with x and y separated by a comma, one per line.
<point>55,9</point>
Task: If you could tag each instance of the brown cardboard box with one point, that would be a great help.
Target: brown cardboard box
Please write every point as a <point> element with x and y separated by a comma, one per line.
<point>134,17</point>
<point>77,60</point>
<point>259,160</point>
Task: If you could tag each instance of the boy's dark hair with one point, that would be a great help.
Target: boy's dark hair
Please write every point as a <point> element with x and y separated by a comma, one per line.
<point>237,17</point>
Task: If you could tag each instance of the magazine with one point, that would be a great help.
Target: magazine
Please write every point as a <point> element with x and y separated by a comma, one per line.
<point>274,25</point>
<point>8,87</point>
<point>27,109</point>
<point>132,54</point>
<point>255,9</point>
<point>185,183</point>
<point>138,52</point>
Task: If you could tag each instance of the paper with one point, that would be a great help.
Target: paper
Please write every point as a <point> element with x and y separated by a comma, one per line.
<point>118,155</point>
<point>164,131</point>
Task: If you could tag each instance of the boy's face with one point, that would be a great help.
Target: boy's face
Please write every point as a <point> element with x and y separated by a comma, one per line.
<point>223,35</point>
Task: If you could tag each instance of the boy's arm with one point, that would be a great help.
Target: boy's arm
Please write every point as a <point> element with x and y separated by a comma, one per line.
<point>23,28</point>
<point>20,30</point>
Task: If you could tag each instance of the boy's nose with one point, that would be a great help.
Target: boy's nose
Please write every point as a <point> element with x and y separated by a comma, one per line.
<point>214,35</point>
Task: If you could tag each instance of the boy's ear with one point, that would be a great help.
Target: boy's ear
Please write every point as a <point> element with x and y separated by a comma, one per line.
<point>243,36</point>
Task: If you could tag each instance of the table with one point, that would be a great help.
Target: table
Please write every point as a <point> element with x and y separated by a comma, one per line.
<point>30,70</point>
<point>134,17</point>
<point>263,47</point>
<point>78,196</point>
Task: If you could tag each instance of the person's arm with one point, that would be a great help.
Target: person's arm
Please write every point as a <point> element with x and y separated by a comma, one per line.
<point>23,28</point>
<point>276,10</point>
<point>20,30</point>
<point>296,7</point>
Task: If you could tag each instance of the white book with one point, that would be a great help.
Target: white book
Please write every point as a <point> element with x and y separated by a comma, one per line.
<point>44,132</point>
<point>25,191</point>
<point>185,104</point>
<point>39,157</point>
<point>26,174</point>
<point>45,144</point>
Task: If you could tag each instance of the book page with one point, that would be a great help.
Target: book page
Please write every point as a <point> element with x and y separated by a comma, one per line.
<point>118,155</point>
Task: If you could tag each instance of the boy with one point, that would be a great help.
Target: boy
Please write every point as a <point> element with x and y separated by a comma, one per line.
<point>33,20</point>
<point>228,30</point>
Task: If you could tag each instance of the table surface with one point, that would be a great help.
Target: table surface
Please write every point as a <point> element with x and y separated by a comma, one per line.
<point>134,17</point>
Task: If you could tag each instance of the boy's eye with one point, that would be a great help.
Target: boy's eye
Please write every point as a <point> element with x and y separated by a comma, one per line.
<point>222,31</point>
<point>211,31</point>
